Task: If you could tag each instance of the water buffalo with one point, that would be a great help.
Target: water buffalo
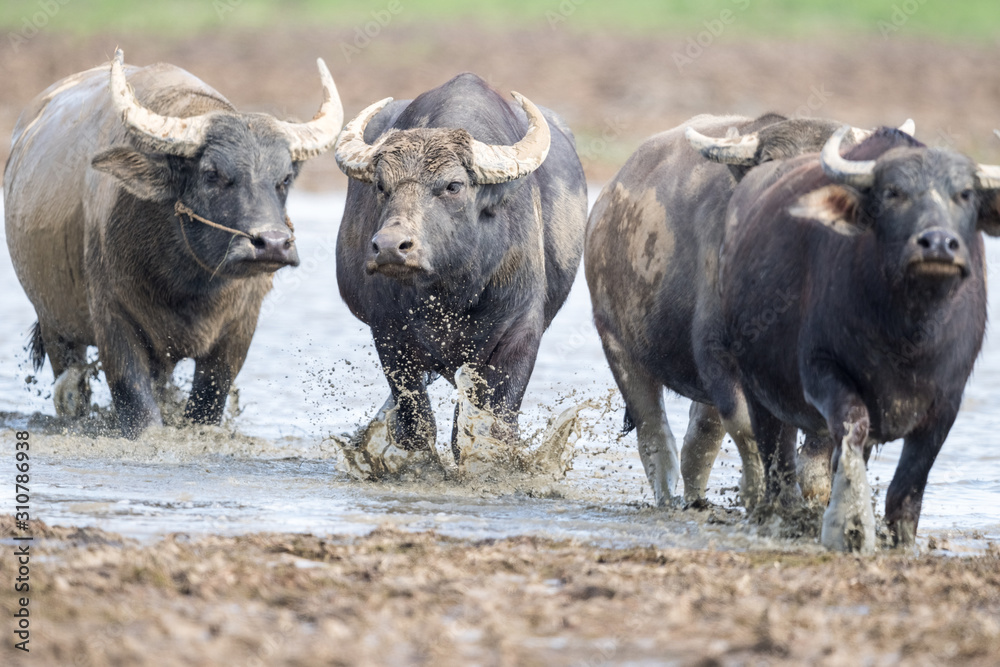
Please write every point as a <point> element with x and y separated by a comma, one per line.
<point>879,264</point>
<point>651,261</point>
<point>148,220</point>
<point>461,237</point>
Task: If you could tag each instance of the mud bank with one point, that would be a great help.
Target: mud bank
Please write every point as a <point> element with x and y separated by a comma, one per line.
<point>402,598</point>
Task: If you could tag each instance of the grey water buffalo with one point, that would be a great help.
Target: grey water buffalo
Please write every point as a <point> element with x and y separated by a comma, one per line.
<point>145,215</point>
<point>879,262</point>
<point>651,261</point>
<point>461,237</point>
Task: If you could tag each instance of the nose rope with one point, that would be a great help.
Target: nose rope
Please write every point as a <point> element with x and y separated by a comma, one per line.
<point>180,208</point>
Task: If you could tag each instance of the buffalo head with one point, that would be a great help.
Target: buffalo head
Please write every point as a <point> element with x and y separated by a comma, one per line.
<point>229,168</point>
<point>924,207</point>
<point>437,192</point>
<point>781,139</point>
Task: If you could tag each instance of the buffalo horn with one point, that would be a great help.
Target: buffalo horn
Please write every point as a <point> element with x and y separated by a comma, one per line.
<point>493,163</point>
<point>354,156</point>
<point>166,134</point>
<point>185,136</point>
<point>307,140</point>
<point>739,151</point>
<point>860,174</point>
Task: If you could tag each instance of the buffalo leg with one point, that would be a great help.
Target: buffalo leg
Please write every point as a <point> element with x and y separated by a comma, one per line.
<point>848,522</point>
<point>701,446</point>
<point>71,394</point>
<point>413,428</point>
<point>213,376</point>
<point>503,379</point>
<point>813,467</point>
<point>776,441</point>
<point>126,364</point>
<point>455,451</point>
<point>906,491</point>
<point>718,371</point>
<point>643,396</point>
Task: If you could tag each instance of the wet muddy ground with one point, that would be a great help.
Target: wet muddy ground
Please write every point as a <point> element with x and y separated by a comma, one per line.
<point>402,598</point>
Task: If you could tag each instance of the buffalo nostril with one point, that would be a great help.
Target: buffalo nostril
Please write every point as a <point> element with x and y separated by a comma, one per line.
<point>406,245</point>
<point>924,242</point>
<point>953,244</point>
<point>258,242</point>
<point>374,247</point>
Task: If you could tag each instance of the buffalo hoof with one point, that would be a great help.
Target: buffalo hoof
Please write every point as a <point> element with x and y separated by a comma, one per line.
<point>904,534</point>
<point>373,455</point>
<point>812,466</point>
<point>71,393</point>
<point>849,521</point>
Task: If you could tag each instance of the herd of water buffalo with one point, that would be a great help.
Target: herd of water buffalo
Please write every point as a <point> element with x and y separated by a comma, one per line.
<point>783,274</point>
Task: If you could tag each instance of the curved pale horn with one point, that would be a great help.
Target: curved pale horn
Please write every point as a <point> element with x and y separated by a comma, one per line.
<point>908,126</point>
<point>354,156</point>
<point>309,139</point>
<point>860,174</point>
<point>987,177</point>
<point>739,151</point>
<point>492,163</point>
<point>166,134</point>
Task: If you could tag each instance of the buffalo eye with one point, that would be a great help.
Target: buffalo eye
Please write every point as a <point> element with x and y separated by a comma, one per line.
<point>285,183</point>
<point>965,196</point>
<point>213,178</point>
<point>380,186</point>
<point>454,187</point>
<point>891,192</point>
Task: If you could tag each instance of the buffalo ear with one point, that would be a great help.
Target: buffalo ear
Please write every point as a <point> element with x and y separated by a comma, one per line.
<point>494,197</point>
<point>989,212</point>
<point>834,206</point>
<point>146,176</point>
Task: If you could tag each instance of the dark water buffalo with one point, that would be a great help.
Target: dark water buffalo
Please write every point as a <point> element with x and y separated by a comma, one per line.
<point>878,264</point>
<point>652,263</point>
<point>105,194</point>
<point>461,237</point>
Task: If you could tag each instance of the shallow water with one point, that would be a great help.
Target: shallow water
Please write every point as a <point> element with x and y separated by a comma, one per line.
<point>312,372</point>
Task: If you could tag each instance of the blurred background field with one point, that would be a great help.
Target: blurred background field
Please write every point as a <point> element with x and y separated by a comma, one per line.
<point>617,71</point>
<point>963,19</point>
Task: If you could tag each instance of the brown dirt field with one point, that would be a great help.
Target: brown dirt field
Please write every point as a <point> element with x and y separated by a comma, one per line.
<point>613,89</point>
<point>397,598</point>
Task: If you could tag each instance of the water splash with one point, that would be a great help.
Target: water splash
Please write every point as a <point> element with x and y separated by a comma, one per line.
<point>371,454</point>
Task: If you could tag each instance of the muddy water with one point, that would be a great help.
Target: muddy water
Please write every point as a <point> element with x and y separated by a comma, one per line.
<point>312,373</point>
